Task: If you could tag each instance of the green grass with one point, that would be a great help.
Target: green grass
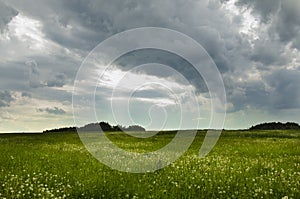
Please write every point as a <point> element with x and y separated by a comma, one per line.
<point>243,164</point>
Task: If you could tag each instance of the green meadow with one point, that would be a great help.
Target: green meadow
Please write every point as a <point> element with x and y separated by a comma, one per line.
<point>243,164</point>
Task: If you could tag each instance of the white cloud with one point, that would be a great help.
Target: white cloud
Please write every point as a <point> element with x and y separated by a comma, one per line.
<point>28,30</point>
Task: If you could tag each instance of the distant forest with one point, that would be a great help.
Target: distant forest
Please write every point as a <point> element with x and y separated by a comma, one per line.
<point>276,126</point>
<point>105,126</point>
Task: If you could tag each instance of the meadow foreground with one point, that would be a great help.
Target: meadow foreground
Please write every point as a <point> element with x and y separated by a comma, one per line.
<point>243,164</point>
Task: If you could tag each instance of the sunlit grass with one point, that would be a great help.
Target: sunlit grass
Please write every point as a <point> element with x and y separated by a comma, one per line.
<point>246,164</point>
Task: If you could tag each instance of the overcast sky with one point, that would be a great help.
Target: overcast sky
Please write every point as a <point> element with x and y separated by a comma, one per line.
<point>255,45</point>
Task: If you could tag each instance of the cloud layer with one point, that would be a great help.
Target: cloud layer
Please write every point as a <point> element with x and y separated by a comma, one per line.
<point>255,45</point>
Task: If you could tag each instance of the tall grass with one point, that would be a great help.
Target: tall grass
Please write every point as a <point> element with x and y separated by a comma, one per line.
<point>243,164</point>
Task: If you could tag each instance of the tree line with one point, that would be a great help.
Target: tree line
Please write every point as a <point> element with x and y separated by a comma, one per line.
<point>102,126</point>
<point>276,126</point>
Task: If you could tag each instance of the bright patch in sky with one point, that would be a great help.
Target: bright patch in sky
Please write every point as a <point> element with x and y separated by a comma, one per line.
<point>28,30</point>
<point>152,101</point>
<point>248,22</point>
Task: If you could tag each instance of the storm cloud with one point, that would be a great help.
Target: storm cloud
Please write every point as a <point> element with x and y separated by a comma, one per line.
<point>5,98</point>
<point>54,110</point>
<point>255,45</point>
<point>6,15</point>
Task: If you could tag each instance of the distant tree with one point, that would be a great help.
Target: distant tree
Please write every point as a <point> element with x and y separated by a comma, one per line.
<point>90,127</point>
<point>102,126</point>
<point>65,130</point>
<point>117,128</point>
<point>276,126</point>
<point>135,128</point>
<point>105,126</point>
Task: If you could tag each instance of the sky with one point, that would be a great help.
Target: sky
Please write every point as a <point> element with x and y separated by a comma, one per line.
<point>43,44</point>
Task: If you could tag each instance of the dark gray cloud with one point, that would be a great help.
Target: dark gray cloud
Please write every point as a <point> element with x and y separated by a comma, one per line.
<point>269,53</point>
<point>54,110</point>
<point>256,69</point>
<point>288,22</point>
<point>39,76</point>
<point>54,72</point>
<point>214,44</point>
<point>25,94</point>
<point>83,24</point>
<point>282,15</point>
<point>179,64</point>
<point>13,76</point>
<point>6,98</point>
<point>6,15</point>
<point>286,92</point>
<point>57,80</point>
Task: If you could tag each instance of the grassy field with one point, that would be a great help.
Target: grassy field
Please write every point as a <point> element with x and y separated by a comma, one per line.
<point>243,164</point>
